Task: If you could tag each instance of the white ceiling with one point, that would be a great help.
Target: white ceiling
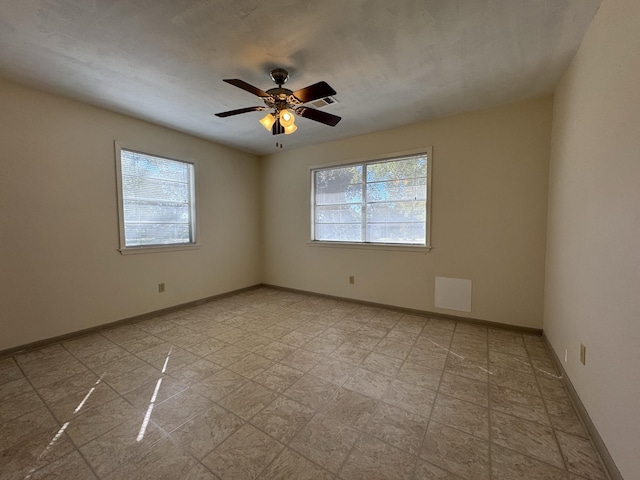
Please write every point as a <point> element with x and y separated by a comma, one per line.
<point>392,62</point>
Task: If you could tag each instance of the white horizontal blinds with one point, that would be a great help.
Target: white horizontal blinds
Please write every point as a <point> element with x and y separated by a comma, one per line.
<point>157,200</point>
<point>338,204</point>
<point>375,202</point>
<point>396,201</point>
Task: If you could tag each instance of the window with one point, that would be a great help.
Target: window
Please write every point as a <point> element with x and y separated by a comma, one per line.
<point>156,199</point>
<point>383,201</point>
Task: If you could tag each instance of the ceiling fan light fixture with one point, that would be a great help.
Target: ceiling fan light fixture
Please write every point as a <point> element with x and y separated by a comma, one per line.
<point>267,121</point>
<point>286,117</point>
<point>284,104</point>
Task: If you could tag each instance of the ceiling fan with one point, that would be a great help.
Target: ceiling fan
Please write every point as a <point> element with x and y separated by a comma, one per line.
<point>284,103</point>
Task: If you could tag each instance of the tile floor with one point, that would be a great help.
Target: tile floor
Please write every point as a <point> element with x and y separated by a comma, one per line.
<point>276,385</point>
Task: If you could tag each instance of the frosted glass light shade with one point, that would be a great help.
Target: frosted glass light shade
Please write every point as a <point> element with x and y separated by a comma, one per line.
<point>267,121</point>
<point>286,118</point>
<point>290,129</point>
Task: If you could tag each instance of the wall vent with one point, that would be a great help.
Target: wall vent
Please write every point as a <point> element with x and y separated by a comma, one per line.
<point>323,102</point>
<point>453,294</point>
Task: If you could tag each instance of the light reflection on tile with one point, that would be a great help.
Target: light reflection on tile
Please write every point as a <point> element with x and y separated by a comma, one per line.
<point>70,466</point>
<point>34,452</point>
<point>91,424</point>
<point>179,409</point>
<point>167,460</point>
<point>278,385</point>
<point>117,446</point>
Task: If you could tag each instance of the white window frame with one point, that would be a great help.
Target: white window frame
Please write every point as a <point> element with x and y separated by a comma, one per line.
<point>126,250</point>
<point>426,247</point>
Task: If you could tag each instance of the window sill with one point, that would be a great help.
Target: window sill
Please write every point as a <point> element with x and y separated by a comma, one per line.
<point>158,249</point>
<point>373,246</point>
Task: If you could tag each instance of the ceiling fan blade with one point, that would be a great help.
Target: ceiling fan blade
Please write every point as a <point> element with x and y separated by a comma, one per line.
<point>313,92</point>
<point>239,111</point>
<point>318,116</point>
<point>246,86</point>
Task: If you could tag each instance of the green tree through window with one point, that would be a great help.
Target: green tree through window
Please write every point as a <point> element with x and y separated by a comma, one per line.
<point>372,202</point>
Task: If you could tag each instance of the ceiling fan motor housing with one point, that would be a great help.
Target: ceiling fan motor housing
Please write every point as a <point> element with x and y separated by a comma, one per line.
<point>279,76</point>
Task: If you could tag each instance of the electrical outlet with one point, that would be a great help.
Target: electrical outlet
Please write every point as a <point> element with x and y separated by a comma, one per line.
<point>161,288</point>
<point>583,354</point>
<point>352,279</point>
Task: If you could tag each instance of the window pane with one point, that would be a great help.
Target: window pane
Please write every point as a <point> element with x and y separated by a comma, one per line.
<point>395,201</point>
<point>339,214</point>
<point>338,185</point>
<point>140,164</point>
<point>396,212</point>
<point>407,189</point>
<point>411,233</point>
<point>344,232</point>
<point>397,169</point>
<point>139,234</point>
<point>157,200</point>
<point>142,211</point>
<point>149,188</point>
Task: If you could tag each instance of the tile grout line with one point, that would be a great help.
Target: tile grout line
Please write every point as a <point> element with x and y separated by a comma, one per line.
<point>71,442</point>
<point>138,454</point>
<point>166,433</point>
<point>286,445</point>
<point>426,430</point>
<point>361,431</point>
<point>527,455</point>
<point>544,403</point>
<point>550,426</point>
<point>380,400</point>
<point>564,380</point>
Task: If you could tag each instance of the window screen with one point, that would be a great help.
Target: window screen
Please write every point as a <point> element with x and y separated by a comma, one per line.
<point>157,200</point>
<point>372,202</point>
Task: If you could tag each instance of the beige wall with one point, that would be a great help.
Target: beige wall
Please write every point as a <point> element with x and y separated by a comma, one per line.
<point>490,175</point>
<point>593,250</point>
<point>60,269</point>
